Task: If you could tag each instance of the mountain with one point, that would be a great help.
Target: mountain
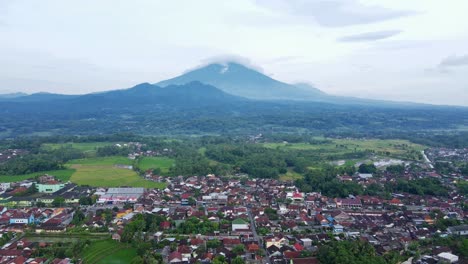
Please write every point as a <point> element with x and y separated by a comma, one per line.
<point>198,108</point>
<point>37,97</point>
<point>237,79</point>
<point>12,95</point>
<point>242,81</point>
<point>190,95</point>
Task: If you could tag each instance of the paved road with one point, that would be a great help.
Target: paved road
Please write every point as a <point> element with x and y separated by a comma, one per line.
<point>428,161</point>
<point>265,260</point>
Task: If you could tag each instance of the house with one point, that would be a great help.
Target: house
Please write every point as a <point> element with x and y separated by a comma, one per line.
<point>116,237</point>
<point>185,251</point>
<point>337,229</point>
<point>277,241</point>
<point>461,230</point>
<point>446,257</point>
<point>165,225</point>
<point>365,176</point>
<point>175,257</point>
<point>348,203</point>
<point>239,224</point>
<point>19,217</point>
<point>49,187</point>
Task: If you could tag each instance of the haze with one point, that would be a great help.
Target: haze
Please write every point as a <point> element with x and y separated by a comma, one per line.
<point>384,49</point>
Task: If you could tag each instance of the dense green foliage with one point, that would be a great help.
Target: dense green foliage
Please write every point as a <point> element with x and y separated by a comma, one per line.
<point>425,186</point>
<point>194,225</point>
<point>44,161</point>
<point>325,181</point>
<point>353,252</point>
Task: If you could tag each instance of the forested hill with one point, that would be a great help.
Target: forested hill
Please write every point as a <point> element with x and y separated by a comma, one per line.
<point>196,108</point>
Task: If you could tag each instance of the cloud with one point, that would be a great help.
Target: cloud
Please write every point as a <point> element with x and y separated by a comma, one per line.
<point>335,13</point>
<point>224,60</point>
<point>370,36</point>
<point>454,61</point>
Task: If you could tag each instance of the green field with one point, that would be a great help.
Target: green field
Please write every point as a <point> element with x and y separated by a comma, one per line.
<point>162,163</point>
<point>103,172</point>
<point>290,176</point>
<point>108,251</point>
<point>63,175</point>
<point>85,147</point>
<point>390,147</point>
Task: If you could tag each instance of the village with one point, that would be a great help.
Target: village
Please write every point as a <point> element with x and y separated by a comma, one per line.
<point>197,219</point>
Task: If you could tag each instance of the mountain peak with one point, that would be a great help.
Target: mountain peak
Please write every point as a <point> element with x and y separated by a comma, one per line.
<point>238,79</point>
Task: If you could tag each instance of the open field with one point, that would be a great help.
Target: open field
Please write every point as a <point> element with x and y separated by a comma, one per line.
<point>290,176</point>
<point>108,251</point>
<point>103,172</point>
<point>85,147</point>
<point>63,175</point>
<point>122,256</point>
<point>162,163</point>
<point>395,148</point>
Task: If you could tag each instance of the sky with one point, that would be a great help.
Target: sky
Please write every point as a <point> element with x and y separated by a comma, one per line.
<point>403,50</point>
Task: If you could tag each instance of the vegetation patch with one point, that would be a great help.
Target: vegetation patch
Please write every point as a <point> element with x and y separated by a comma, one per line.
<point>100,251</point>
<point>390,147</point>
<point>161,163</point>
<point>121,256</point>
<point>290,176</point>
<point>105,172</point>
<point>85,147</point>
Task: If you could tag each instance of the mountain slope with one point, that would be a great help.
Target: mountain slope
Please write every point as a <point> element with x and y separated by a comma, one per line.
<point>239,80</point>
<point>190,95</point>
<point>38,97</point>
<point>12,95</point>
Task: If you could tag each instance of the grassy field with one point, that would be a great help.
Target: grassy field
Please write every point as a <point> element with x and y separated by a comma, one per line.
<point>290,176</point>
<point>162,163</point>
<point>395,148</point>
<point>103,172</point>
<point>85,147</point>
<point>122,256</point>
<point>63,175</point>
<point>108,251</point>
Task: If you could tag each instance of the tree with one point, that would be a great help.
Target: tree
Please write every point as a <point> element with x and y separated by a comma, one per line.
<point>220,259</point>
<point>86,200</point>
<point>137,260</point>
<point>367,168</point>
<point>58,201</point>
<point>214,243</point>
<point>348,252</point>
<point>237,260</point>
<point>238,249</point>
<point>78,217</point>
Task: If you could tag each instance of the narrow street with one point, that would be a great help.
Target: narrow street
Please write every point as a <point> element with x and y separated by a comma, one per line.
<point>266,259</point>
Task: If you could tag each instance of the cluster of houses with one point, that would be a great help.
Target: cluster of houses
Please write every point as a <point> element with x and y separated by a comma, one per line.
<point>260,220</point>
<point>447,154</point>
<point>47,188</point>
<point>8,154</point>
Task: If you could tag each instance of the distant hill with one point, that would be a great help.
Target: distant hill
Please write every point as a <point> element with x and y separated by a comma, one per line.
<point>37,97</point>
<point>199,108</point>
<point>190,95</point>
<point>242,81</point>
<point>12,95</point>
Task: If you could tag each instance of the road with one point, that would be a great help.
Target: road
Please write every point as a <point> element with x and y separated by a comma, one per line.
<point>428,161</point>
<point>265,260</point>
